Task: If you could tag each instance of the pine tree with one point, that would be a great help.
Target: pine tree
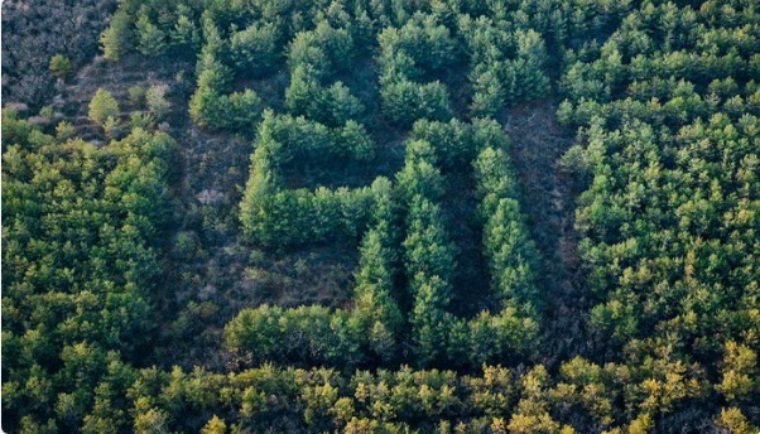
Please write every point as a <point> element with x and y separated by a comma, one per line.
<point>103,106</point>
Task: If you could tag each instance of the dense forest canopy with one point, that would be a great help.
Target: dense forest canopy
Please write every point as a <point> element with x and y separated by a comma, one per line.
<point>381,216</point>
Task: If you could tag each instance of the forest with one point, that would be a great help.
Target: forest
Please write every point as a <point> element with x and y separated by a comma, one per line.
<point>381,216</point>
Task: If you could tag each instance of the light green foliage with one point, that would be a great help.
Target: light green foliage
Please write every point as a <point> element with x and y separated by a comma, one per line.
<point>740,372</point>
<point>215,426</point>
<point>112,127</point>
<point>155,100</point>
<point>103,106</point>
<point>142,120</point>
<point>64,131</point>
<point>734,421</point>
<point>152,421</point>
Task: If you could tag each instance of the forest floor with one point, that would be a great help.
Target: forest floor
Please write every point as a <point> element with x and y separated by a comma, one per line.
<point>221,274</point>
<point>538,143</point>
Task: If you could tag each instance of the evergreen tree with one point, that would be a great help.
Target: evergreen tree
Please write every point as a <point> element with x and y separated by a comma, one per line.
<point>117,38</point>
<point>103,106</point>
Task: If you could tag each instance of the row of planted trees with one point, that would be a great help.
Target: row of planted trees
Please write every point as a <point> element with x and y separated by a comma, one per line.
<point>666,106</point>
<point>404,239</point>
<point>106,395</point>
<point>416,52</point>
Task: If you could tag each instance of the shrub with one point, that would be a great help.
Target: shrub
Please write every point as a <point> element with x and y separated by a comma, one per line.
<point>136,94</point>
<point>155,99</point>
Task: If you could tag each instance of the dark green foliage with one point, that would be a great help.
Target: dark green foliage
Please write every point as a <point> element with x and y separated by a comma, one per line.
<point>388,139</point>
<point>416,51</point>
<point>16,131</point>
<point>273,216</point>
<point>314,57</point>
<point>431,321</point>
<point>276,217</point>
<point>429,251</point>
<point>310,333</point>
<point>506,241</point>
<point>439,336</point>
<point>209,107</point>
<point>255,49</point>
<point>239,110</point>
<point>376,310</point>
<point>420,178</point>
<point>457,143</point>
<point>323,50</point>
<point>406,101</point>
<point>117,38</point>
<point>339,338</point>
<point>332,105</point>
<point>507,67</point>
<point>151,41</point>
<point>292,218</point>
<point>488,94</point>
<point>423,39</point>
<point>90,220</point>
<point>185,36</point>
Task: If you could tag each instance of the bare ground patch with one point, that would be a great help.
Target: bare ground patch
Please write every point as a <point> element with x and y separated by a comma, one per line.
<point>538,142</point>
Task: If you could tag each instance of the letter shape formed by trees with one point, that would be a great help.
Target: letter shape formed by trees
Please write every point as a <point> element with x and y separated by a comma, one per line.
<point>506,66</point>
<point>314,57</point>
<point>210,106</point>
<point>276,217</point>
<point>418,50</point>
<point>439,337</point>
